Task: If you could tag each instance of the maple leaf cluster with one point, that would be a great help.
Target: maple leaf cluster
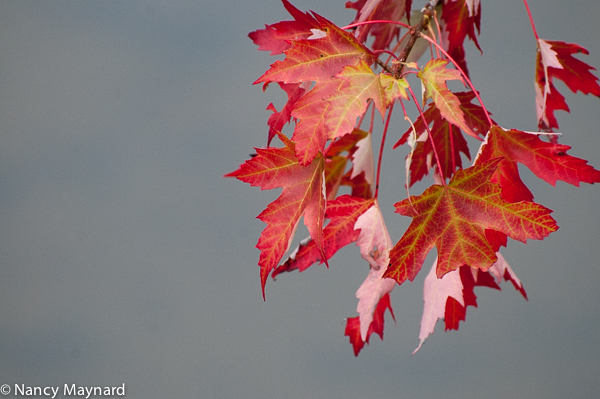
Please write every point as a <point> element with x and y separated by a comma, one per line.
<point>332,77</point>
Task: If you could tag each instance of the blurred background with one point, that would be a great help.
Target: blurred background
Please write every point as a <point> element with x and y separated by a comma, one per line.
<point>125,257</point>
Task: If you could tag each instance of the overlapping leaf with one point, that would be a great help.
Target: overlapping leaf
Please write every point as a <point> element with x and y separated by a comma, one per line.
<point>549,161</point>
<point>340,229</point>
<point>312,110</point>
<point>436,292</point>
<point>447,137</point>
<point>302,194</point>
<point>474,114</point>
<point>276,38</point>
<point>461,18</point>
<point>454,218</point>
<point>317,59</point>
<point>350,100</point>
<point>375,244</point>
<point>448,297</point>
<point>555,60</point>
<point>339,232</point>
<point>434,76</point>
<point>391,10</point>
<point>327,76</point>
<point>377,325</point>
<point>456,312</point>
<point>362,160</point>
<point>331,108</point>
<point>279,118</point>
<point>359,178</point>
<point>356,177</point>
<point>393,88</point>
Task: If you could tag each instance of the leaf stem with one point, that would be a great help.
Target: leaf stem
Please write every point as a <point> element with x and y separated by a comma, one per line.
<point>379,21</point>
<point>385,129</point>
<point>531,20</point>
<point>452,147</point>
<point>372,120</point>
<point>437,25</point>
<point>384,66</point>
<point>435,153</point>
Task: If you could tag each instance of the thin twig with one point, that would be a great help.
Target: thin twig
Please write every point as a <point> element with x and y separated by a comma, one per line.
<point>435,153</point>
<point>385,129</point>
<point>428,12</point>
<point>531,20</point>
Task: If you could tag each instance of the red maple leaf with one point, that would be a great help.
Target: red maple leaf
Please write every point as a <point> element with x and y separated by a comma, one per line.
<point>311,132</point>
<point>331,108</point>
<point>454,218</point>
<point>461,18</point>
<point>376,326</point>
<point>447,137</point>
<point>549,162</point>
<point>351,99</point>
<point>339,232</point>
<point>443,134</point>
<point>359,185</point>
<point>276,38</point>
<point>434,76</point>
<point>455,311</point>
<point>302,194</point>
<point>342,211</point>
<point>334,174</point>
<point>555,60</point>
<point>467,215</point>
<point>317,59</point>
<point>390,10</point>
<point>336,166</point>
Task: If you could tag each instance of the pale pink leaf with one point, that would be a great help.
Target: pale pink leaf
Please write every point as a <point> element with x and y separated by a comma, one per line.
<point>374,240</point>
<point>472,5</point>
<point>549,59</point>
<point>363,159</point>
<point>369,294</point>
<point>502,269</point>
<point>435,294</point>
<point>375,243</point>
<point>317,34</point>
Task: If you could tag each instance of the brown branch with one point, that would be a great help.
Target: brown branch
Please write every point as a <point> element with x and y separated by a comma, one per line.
<point>415,33</point>
<point>384,66</point>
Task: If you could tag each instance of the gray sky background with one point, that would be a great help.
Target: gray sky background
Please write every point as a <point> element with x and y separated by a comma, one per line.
<point>127,258</point>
